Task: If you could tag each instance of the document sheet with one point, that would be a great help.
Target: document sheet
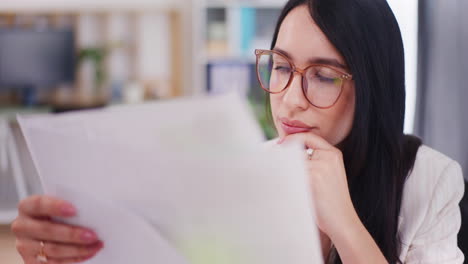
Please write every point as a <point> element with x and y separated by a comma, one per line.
<point>186,181</point>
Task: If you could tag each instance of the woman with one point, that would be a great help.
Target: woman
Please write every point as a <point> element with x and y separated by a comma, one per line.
<point>335,74</point>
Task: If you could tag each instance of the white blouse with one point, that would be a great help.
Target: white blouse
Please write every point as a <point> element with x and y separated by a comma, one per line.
<point>430,215</point>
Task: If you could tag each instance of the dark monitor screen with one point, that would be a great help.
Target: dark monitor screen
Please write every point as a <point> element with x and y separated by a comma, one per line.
<point>36,58</point>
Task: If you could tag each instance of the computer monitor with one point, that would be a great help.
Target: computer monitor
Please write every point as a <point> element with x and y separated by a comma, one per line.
<point>31,59</point>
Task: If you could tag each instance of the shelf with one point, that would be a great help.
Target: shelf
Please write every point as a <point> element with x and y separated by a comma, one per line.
<point>105,6</point>
<point>251,4</point>
<point>226,59</point>
<point>136,45</point>
<point>230,31</point>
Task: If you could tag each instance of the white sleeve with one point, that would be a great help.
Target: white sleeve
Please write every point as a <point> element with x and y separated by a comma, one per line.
<point>436,239</point>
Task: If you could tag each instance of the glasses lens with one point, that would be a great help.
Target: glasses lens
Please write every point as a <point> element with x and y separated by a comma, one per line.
<point>322,86</point>
<point>274,71</point>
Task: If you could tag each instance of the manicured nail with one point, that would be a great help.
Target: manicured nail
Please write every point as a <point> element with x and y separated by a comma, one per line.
<point>88,236</point>
<point>96,247</point>
<point>68,210</point>
<point>101,244</point>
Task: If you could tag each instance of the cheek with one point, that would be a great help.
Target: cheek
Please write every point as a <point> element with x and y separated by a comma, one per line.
<point>273,81</point>
<point>341,117</point>
<point>275,103</point>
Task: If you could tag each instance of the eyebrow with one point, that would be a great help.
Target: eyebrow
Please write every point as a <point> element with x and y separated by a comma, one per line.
<point>317,60</point>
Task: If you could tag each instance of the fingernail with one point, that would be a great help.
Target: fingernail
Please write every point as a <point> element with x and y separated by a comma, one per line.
<point>87,257</point>
<point>68,210</point>
<point>96,247</point>
<point>101,245</point>
<point>88,236</point>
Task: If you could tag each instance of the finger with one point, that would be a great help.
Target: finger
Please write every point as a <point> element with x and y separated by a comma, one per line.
<point>30,247</point>
<point>326,162</point>
<point>311,140</point>
<point>40,205</point>
<point>316,167</point>
<point>321,154</point>
<point>312,154</point>
<point>51,231</point>
<point>72,260</point>
<point>333,157</point>
<point>32,260</point>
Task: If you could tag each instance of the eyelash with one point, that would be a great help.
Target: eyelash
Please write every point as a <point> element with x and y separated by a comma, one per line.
<point>278,68</point>
<point>318,75</point>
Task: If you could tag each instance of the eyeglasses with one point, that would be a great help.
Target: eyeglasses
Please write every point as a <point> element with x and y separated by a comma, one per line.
<point>322,84</point>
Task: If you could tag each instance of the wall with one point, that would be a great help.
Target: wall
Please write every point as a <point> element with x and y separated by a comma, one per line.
<point>184,7</point>
<point>83,4</point>
<point>406,12</point>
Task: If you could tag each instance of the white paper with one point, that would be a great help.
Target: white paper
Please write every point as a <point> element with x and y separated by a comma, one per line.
<point>131,239</point>
<point>197,183</point>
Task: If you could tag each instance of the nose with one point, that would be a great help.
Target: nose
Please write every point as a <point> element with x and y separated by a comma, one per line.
<point>294,95</point>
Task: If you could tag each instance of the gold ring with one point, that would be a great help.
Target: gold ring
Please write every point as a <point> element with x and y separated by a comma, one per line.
<point>41,257</point>
<point>309,152</point>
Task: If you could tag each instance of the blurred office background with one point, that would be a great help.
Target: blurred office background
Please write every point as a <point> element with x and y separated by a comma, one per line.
<point>58,56</point>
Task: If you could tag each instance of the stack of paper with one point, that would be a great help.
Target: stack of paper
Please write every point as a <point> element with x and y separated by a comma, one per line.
<point>186,181</point>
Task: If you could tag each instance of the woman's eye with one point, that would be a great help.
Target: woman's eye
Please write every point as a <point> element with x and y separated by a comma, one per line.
<point>324,79</point>
<point>283,69</point>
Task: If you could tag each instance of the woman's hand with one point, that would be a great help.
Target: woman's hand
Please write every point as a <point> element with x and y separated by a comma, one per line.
<point>62,243</point>
<point>335,213</point>
<point>328,183</point>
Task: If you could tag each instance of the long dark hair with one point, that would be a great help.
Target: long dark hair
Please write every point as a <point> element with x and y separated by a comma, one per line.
<point>378,156</point>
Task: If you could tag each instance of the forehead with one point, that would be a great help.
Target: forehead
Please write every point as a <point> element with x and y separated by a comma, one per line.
<point>303,39</point>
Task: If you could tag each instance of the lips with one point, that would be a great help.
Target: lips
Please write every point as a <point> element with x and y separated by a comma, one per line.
<point>294,126</point>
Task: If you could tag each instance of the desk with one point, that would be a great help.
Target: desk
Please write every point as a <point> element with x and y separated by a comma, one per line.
<point>7,246</point>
